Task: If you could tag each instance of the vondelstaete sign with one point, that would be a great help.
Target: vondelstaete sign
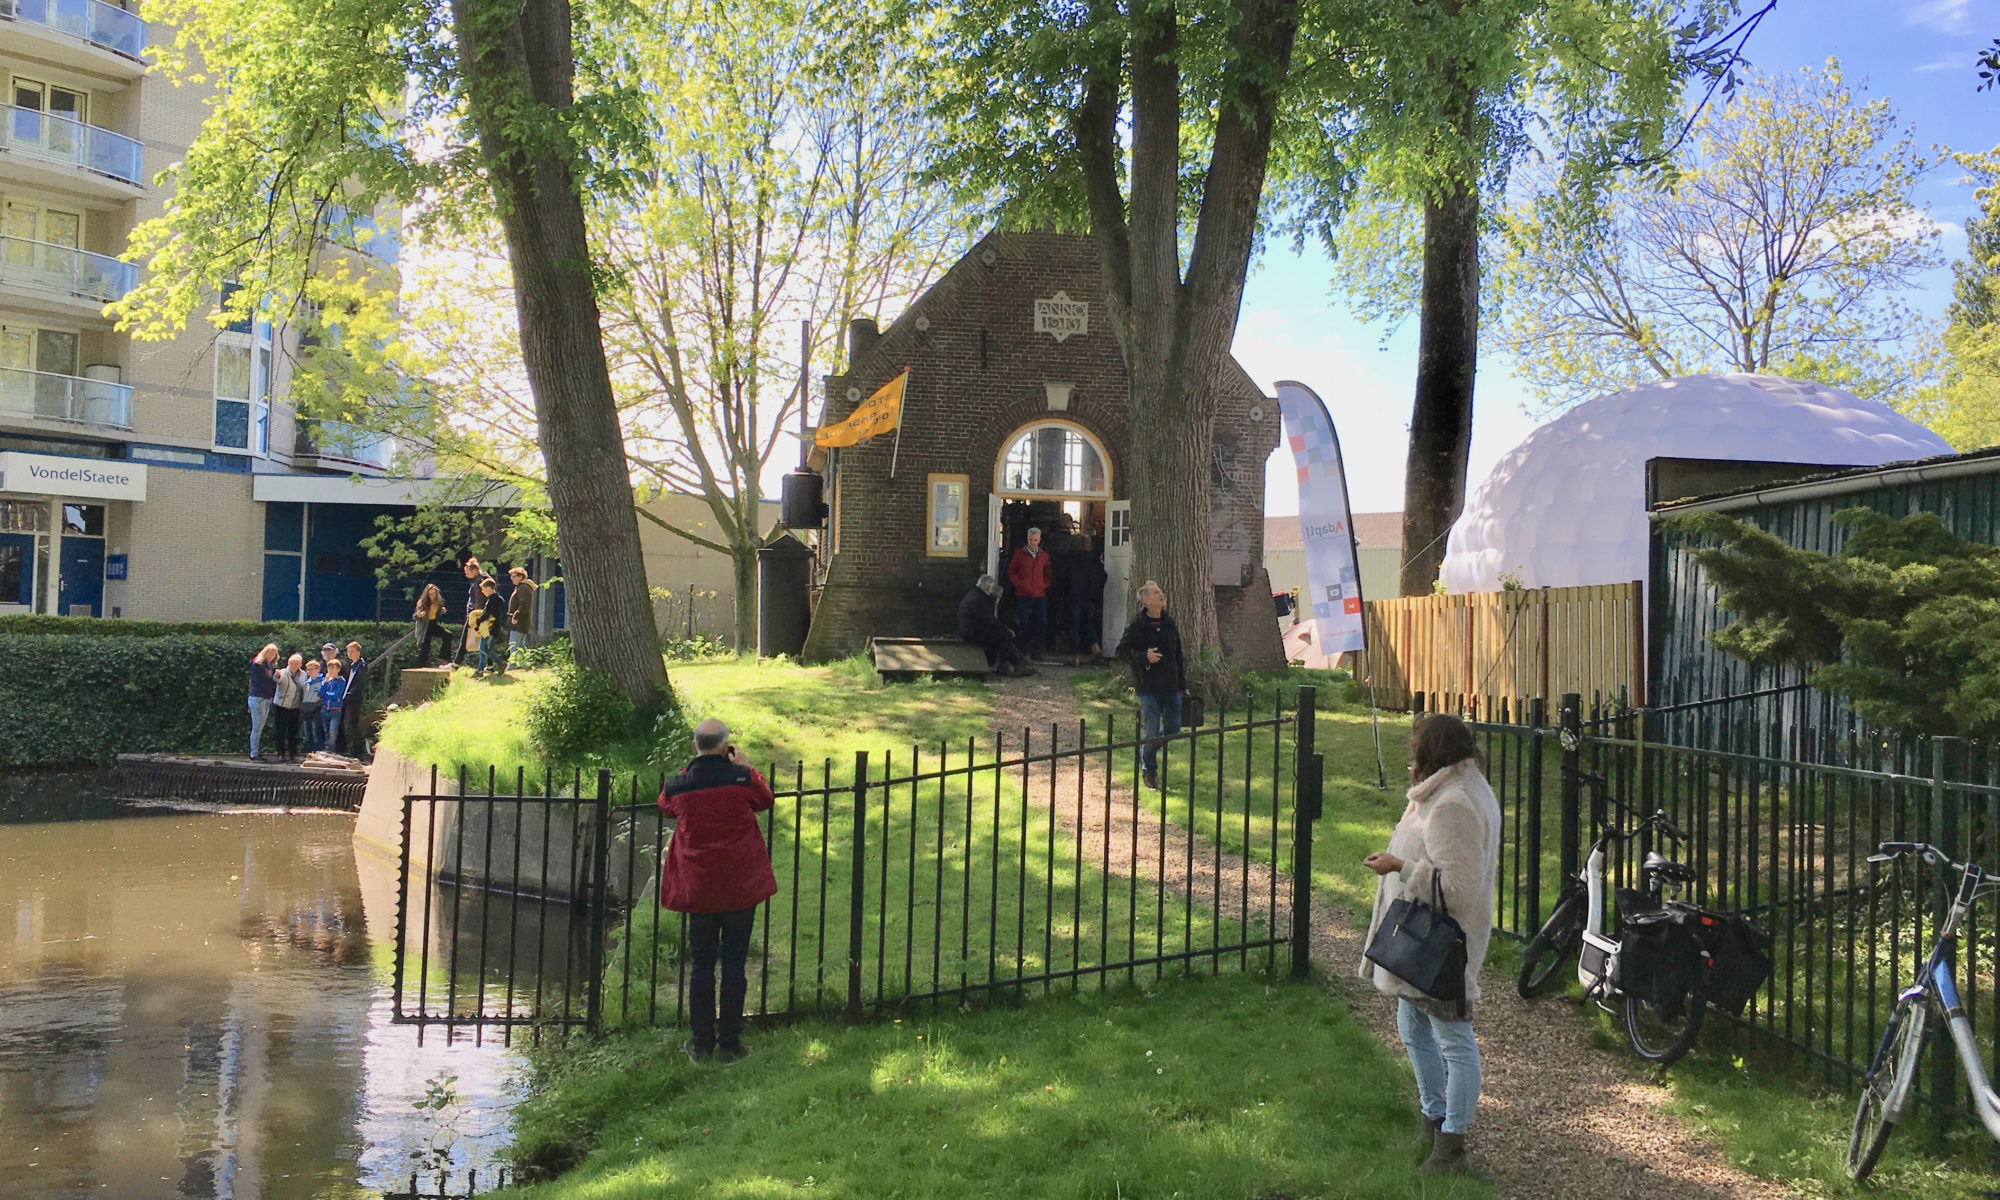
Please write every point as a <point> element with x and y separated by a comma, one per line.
<point>51,475</point>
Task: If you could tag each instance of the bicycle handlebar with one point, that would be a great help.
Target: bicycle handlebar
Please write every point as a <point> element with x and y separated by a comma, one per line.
<point>1891,851</point>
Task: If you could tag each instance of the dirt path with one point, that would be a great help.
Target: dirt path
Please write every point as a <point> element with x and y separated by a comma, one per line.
<point>1557,1117</point>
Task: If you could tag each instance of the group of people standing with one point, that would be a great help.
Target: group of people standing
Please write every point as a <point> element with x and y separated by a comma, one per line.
<point>1057,591</point>
<point>487,616</point>
<point>308,705</point>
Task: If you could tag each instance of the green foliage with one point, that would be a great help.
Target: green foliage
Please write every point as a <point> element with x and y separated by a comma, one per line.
<point>433,535</point>
<point>1778,243</point>
<point>289,635</point>
<point>90,696</point>
<point>1904,621</point>
<point>701,647</point>
<point>576,715</point>
<point>553,653</point>
<point>1199,1088</point>
<point>1964,406</point>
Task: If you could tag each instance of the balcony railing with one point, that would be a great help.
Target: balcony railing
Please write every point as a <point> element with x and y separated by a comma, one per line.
<point>65,269</point>
<point>333,443</point>
<point>65,398</point>
<point>61,139</point>
<point>95,22</point>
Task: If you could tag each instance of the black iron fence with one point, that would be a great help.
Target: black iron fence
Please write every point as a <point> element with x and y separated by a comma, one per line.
<point>933,875</point>
<point>1780,826</point>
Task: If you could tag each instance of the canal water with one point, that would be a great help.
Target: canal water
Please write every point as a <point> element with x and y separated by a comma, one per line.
<point>197,1005</point>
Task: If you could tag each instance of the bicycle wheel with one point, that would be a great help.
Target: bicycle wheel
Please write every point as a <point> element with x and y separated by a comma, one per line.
<point>1661,1031</point>
<point>1543,957</point>
<point>1888,1076</point>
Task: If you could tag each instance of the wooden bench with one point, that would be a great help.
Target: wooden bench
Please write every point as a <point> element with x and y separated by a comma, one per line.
<point>937,657</point>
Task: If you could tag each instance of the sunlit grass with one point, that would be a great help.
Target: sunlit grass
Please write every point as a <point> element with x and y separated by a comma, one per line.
<point>1224,1087</point>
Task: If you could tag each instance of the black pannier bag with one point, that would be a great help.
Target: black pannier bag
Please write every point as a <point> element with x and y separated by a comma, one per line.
<point>1657,953</point>
<point>1742,955</point>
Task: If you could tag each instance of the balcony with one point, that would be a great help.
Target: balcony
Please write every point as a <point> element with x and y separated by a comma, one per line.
<point>331,445</point>
<point>67,398</point>
<point>70,145</point>
<point>78,279</point>
<point>89,22</point>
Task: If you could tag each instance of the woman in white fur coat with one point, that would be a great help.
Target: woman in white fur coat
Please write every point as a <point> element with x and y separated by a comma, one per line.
<point>1450,833</point>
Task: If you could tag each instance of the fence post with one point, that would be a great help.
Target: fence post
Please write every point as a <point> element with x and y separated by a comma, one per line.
<point>858,886</point>
<point>1571,736</point>
<point>598,895</point>
<point>1305,811</point>
<point>1537,713</point>
<point>1944,835</point>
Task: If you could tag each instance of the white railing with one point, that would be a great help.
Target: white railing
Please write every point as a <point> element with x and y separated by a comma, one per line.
<point>65,269</point>
<point>95,22</point>
<point>61,139</point>
<point>65,398</point>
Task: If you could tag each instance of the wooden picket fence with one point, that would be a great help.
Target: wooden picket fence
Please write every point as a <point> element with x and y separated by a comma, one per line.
<point>1471,652</point>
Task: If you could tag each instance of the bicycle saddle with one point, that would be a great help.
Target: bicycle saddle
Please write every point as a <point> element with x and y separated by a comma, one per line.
<point>1668,868</point>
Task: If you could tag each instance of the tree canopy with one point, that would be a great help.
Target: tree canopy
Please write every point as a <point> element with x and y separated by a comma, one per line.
<point>1779,243</point>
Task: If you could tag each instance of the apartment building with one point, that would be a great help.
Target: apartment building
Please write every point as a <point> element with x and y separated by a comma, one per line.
<point>164,480</point>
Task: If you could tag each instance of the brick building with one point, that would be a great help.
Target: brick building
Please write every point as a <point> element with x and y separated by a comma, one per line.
<point>1015,414</point>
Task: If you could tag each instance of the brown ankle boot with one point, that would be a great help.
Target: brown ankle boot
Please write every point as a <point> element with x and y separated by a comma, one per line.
<point>1447,1155</point>
<point>1427,1134</point>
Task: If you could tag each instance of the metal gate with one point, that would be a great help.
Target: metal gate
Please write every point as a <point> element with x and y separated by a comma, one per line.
<point>934,875</point>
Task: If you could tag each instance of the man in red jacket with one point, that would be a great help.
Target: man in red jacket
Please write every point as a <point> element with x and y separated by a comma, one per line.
<point>717,870</point>
<point>1029,571</point>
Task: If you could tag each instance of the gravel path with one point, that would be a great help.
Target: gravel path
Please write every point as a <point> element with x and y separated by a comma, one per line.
<point>1558,1116</point>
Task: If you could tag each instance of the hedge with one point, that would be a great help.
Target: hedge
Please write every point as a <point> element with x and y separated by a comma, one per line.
<point>83,697</point>
<point>293,634</point>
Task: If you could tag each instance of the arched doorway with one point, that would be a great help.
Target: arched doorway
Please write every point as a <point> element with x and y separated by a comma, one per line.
<point>1054,475</point>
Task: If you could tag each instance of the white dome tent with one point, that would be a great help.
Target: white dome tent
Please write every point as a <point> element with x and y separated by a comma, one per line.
<point>1567,506</point>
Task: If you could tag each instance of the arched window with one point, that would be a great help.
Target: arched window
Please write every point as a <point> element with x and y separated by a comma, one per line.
<point>1052,459</point>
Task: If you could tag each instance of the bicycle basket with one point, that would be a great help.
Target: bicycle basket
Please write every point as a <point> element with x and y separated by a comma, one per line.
<point>1742,955</point>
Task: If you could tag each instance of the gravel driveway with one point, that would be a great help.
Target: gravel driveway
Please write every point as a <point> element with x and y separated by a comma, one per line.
<point>1558,1117</point>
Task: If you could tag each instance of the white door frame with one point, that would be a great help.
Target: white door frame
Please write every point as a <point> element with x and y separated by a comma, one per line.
<point>1117,570</point>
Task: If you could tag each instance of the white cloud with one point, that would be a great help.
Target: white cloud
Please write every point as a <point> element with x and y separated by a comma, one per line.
<point>1945,16</point>
<point>1950,62</point>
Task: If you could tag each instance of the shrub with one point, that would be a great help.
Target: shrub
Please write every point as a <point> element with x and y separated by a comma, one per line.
<point>576,714</point>
<point>556,652</point>
<point>288,634</point>
<point>89,697</point>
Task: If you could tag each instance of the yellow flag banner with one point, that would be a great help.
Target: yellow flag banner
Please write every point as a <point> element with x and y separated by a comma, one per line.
<point>877,415</point>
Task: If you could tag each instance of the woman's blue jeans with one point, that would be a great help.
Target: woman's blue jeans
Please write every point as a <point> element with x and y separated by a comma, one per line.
<point>1445,1055</point>
<point>1159,717</point>
<point>260,715</point>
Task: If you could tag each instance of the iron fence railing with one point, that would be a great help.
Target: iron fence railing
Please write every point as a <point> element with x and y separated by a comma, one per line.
<point>1780,825</point>
<point>931,875</point>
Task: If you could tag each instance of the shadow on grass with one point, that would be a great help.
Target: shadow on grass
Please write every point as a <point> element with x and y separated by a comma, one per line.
<point>1224,1087</point>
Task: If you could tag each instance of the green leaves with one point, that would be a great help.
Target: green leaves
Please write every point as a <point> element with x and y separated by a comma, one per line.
<point>1904,621</point>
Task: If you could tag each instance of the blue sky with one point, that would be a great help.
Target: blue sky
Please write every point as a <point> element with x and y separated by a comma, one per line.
<point>1919,53</point>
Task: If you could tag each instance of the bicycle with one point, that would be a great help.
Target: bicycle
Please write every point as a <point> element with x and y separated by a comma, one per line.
<point>1891,1078</point>
<point>1663,967</point>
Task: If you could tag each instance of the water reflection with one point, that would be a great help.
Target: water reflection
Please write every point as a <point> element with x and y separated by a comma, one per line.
<point>197,1006</point>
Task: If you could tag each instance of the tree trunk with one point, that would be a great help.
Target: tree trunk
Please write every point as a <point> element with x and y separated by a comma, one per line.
<point>1447,357</point>
<point>516,62</point>
<point>743,560</point>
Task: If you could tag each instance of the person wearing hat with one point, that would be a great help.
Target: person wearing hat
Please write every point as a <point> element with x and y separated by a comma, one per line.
<point>520,613</point>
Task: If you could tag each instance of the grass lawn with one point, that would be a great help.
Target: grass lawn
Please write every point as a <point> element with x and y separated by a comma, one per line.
<point>1210,1088</point>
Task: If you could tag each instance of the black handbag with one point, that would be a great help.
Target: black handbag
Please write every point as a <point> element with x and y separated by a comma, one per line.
<point>1423,946</point>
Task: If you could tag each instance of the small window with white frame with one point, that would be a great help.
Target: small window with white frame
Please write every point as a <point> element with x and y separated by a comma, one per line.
<point>243,390</point>
<point>946,516</point>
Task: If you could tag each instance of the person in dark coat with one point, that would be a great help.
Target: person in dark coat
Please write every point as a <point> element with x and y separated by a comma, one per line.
<point>717,870</point>
<point>1083,578</point>
<point>474,601</point>
<point>979,624</point>
<point>1152,647</point>
<point>353,706</point>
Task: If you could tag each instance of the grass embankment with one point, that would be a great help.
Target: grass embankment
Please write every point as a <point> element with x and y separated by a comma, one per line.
<point>1219,1087</point>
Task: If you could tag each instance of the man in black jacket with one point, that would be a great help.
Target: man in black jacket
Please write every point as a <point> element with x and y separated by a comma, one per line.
<point>353,708</point>
<point>474,601</point>
<point>980,625</point>
<point>1152,646</point>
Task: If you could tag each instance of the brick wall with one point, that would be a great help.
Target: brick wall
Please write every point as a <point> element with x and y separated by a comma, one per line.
<point>977,374</point>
